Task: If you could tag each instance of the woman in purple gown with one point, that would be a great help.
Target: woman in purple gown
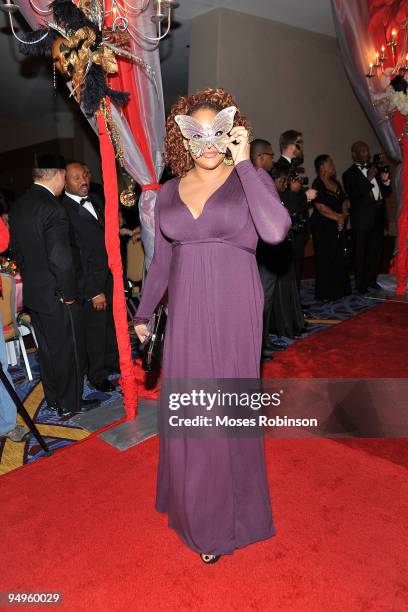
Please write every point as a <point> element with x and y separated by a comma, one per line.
<point>207,222</point>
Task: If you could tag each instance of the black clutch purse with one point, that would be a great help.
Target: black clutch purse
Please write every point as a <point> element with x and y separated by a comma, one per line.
<point>153,349</point>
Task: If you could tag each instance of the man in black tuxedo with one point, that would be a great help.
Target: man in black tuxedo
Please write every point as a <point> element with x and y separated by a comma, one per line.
<point>262,157</point>
<point>297,199</point>
<point>41,246</point>
<point>366,188</point>
<point>86,215</point>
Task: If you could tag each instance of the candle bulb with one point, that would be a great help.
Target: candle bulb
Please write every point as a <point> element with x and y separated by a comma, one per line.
<point>383,53</point>
<point>370,72</point>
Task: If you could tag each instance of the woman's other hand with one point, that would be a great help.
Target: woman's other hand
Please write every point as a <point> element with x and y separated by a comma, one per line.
<point>142,331</point>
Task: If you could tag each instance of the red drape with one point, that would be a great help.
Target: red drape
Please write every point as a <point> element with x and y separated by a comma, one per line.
<point>401,264</point>
<point>124,80</point>
<point>385,15</point>
<point>112,242</point>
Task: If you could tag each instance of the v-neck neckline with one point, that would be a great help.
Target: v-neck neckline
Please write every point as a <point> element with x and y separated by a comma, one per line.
<point>207,200</point>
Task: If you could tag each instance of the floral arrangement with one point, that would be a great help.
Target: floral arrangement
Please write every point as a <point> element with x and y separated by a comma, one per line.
<point>7,266</point>
<point>390,101</point>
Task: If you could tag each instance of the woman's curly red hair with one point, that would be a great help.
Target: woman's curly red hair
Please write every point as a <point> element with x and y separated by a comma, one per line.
<point>179,160</point>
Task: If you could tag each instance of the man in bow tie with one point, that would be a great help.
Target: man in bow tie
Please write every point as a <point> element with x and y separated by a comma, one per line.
<point>41,247</point>
<point>367,189</point>
<point>86,215</point>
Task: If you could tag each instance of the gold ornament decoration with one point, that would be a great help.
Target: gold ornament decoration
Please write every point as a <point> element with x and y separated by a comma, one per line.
<point>128,198</point>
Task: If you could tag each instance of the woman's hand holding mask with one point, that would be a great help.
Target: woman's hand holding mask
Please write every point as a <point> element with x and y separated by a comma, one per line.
<point>239,151</point>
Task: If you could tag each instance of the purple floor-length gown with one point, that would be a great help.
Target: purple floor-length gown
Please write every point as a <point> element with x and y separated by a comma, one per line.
<point>214,490</point>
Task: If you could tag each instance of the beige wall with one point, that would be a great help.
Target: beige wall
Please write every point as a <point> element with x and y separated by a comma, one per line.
<point>283,78</point>
<point>66,132</point>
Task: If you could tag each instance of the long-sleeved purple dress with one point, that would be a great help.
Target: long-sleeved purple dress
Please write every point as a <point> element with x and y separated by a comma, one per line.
<point>214,490</point>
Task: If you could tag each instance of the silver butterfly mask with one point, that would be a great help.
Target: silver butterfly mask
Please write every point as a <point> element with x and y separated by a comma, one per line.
<point>199,137</point>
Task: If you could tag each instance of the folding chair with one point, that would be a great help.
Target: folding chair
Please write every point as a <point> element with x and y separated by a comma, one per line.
<point>12,333</point>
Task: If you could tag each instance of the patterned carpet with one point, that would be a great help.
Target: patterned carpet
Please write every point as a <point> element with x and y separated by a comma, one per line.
<point>58,432</point>
<point>321,316</point>
<point>62,432</point>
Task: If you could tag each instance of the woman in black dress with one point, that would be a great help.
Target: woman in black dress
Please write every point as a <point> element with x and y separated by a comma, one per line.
<point>328,222</point>
<point>287,315</point>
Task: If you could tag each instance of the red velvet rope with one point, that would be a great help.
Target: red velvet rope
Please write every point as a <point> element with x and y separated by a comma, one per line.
<point>112,243</point>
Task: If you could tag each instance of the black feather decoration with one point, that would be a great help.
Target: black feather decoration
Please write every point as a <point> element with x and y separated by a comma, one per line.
<point>70,17</point>
<point>94,90</point>
<point>41,48</point>
<point>119,97</point>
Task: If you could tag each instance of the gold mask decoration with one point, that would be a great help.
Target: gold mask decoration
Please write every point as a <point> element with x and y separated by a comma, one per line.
<point>72,57</point>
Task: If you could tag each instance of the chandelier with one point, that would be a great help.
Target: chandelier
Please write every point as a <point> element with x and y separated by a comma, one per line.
<point>391,56</point>
<point>112,16</point>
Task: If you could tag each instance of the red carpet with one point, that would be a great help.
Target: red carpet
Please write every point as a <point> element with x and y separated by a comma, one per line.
<point>371,345</point>
<point>82,522</point>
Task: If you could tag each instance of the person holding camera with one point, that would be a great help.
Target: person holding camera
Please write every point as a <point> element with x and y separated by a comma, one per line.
<point>367,185</point>
<point>298,198</point>
<point>328,223</point>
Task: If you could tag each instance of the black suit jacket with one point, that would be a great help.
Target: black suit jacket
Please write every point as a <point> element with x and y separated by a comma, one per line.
<point>364,210</point>
<point>88,245</point>
<point>40,244</point>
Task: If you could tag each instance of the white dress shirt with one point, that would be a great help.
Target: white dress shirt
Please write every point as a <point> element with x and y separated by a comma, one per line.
<point>88,205</point>
<point>376,190</point>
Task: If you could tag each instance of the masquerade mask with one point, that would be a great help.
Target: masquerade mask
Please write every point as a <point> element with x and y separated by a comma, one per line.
<point>215,135</point>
